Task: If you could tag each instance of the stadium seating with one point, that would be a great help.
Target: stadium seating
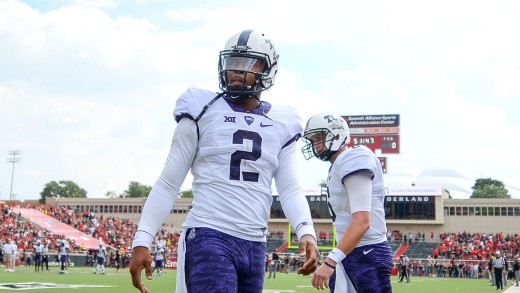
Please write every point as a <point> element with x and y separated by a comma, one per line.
<point>420,250</point>
<point>275,244</point>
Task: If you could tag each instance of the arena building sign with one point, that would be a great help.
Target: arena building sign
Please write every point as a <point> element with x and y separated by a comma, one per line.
<point>408,198</point>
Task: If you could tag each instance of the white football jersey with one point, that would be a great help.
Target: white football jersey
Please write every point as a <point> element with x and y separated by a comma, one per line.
<point>63,249</point>
<point>102,252</point>
<point>38,248</point>
<point>159,254</point>
<point>353,161</point>
<point>238,154</point>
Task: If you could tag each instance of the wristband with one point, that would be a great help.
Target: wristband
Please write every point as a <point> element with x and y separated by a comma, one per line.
<point>336,255</point>
<point>329,265</point>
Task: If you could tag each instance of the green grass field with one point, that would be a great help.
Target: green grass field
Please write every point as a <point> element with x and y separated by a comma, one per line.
<point>114,282</point>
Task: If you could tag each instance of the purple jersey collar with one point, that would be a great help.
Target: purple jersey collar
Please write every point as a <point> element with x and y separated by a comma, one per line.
<point>264,108</point>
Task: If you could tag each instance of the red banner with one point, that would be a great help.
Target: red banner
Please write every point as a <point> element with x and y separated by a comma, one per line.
<point>58,227</point>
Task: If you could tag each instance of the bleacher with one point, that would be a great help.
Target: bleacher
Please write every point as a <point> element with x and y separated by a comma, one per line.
<point>40,220</point>
<point>274,244</point>
<point>395,247</point>
<point>421,250</point>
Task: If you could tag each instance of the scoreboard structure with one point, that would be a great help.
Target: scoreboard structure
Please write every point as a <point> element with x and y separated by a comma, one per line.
<point>376,132</point>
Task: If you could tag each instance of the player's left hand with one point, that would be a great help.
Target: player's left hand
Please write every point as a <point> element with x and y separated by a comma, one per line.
<point>321,277</point>
<point>309,249</point>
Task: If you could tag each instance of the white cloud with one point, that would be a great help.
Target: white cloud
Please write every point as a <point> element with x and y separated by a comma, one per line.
<point>87,88</point>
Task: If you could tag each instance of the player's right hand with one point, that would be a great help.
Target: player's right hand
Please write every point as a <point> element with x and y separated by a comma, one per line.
<point>141,259</point>
<point>308,249</point>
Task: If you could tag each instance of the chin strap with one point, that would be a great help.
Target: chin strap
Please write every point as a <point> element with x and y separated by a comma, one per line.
<point>244,96</point>
<point>326,156</point>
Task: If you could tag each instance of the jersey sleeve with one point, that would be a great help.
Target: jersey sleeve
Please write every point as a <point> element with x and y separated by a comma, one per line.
<point>165,190</point>
<point>291,120</point>
<point>293,200</point>
<point>359,160</point>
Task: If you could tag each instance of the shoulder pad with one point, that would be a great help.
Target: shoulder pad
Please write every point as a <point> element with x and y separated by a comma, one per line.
<point>288,116</point>
<point>191,103</point>
<point>358,158</point>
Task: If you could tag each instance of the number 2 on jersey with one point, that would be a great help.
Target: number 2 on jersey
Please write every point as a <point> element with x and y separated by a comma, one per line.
<point>236,158</point>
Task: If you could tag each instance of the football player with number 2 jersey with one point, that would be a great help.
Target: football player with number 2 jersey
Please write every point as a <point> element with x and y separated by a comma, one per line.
<point>362,258</point>
<point>235,144</point>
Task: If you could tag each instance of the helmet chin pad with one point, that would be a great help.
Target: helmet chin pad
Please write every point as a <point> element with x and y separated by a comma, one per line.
<point>326,152</point>
<point>242,91</point>
<point>325,155</point>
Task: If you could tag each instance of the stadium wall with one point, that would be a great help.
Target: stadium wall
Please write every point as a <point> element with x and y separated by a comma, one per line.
<point>451,215</point>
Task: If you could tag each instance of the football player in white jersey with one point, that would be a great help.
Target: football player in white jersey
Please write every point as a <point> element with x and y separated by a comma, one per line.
<point>38,257</point>
<point>63,251</point>
<point>362,257</point>
<point>100,264</point>
<point>159,260</point>
<point>235,144</point>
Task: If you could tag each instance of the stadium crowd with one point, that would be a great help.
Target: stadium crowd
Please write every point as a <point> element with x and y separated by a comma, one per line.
<point>116,233</point>
<point>24,236</point>
<point>461,255</point>
<point>467,255</point>
<point>476,246</point>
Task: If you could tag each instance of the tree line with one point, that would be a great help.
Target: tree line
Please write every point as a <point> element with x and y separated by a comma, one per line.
<point>483,188</point>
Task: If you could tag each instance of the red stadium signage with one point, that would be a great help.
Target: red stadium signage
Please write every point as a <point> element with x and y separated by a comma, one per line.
<point>383,163</point>
<point>171,262</point>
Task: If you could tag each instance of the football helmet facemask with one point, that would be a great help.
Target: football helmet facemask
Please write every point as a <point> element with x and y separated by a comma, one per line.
<point>329,131</point>
<point>241,53</point>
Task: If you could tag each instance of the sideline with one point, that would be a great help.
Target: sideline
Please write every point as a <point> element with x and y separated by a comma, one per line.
<point>512,288</point>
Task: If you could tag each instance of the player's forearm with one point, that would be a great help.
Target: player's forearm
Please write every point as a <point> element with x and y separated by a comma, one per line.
<point>355,232</point>
<point>155,212</point>
<point>296,209</point>
<point>298,214</point>
<point>166,189</point>
<point>293,200</point>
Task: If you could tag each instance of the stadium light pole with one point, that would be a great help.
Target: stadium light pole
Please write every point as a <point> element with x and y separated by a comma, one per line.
<point>13,160</point>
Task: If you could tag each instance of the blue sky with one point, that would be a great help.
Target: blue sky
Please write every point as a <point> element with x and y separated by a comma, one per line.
<point>87,88</point>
